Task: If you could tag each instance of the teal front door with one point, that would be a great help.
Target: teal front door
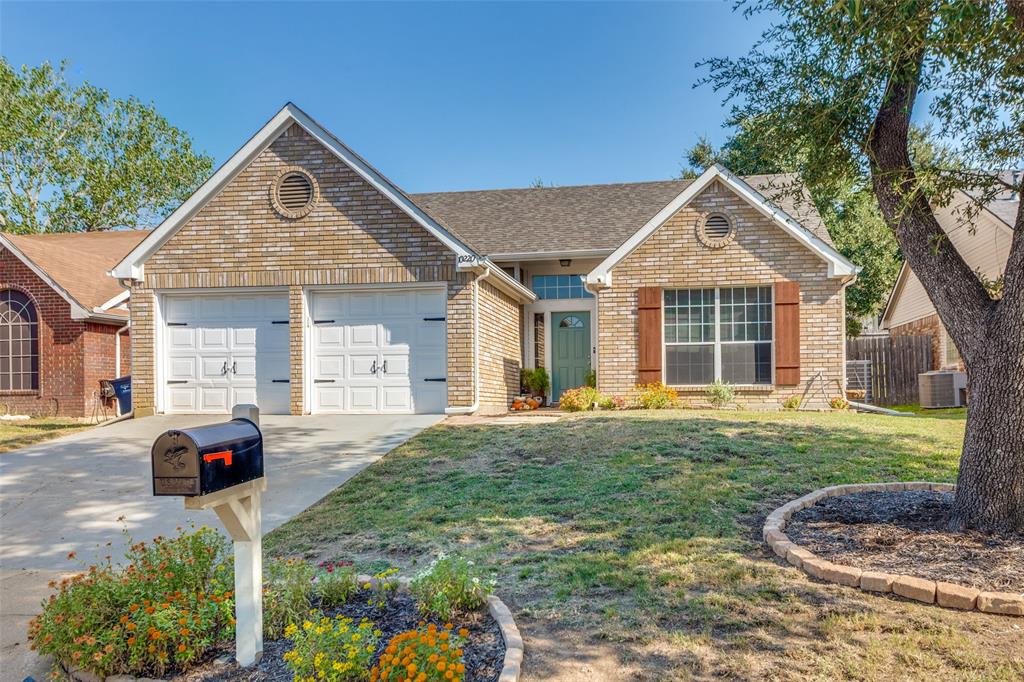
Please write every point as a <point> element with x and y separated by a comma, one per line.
<point>570,351</point>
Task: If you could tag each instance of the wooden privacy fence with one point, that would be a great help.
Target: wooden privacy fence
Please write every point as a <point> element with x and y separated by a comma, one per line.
<point>894,363</point>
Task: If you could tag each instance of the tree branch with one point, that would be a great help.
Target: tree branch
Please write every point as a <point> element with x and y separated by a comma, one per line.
<point>952,286</point>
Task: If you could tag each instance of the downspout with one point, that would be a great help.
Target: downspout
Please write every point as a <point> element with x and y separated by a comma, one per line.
<point>476,349</point>
<point>117,348</point>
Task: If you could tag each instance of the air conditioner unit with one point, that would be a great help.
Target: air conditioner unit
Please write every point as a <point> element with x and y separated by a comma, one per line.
<point>942,388</point>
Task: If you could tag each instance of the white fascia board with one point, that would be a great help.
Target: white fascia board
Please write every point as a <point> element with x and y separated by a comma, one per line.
<point>838,265</point>
<point>78,311</point>
<point>120,299</point>
<point>550,255</point>
<point>131,267</point>
<point>502,279</point>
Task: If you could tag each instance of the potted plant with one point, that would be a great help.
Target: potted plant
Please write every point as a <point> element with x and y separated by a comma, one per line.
<point>537,382</point>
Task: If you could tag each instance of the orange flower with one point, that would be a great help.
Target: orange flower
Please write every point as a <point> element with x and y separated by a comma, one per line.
<point>131,641</point>
<point>463,632</point>
<point>123,620</point>
<point>130,626</point>
<point>181,648</point>
<point>150,609</point>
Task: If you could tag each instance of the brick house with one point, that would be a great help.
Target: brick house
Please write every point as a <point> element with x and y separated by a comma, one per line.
<point>983,241</point>
<point>62,320</point>
<point>300,278</point>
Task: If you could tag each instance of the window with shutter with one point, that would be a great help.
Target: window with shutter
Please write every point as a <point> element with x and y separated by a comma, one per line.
<point>649,331</point>
<point>787,333</point>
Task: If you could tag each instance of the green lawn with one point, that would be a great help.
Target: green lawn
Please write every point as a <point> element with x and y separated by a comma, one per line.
<point>627,544</point>
<point>18,434</point>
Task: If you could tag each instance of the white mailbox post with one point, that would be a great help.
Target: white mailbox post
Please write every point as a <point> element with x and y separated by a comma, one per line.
<point>238,508</point>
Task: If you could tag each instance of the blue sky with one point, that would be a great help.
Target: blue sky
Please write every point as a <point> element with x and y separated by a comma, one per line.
<point>439,96</point>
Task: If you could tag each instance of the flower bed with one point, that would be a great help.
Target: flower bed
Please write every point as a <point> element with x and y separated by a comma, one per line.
<point>929,591</point>
<point>169,613</point>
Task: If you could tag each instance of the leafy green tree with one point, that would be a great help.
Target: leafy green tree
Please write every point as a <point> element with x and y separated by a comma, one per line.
<point>841,81</point>
<point>74,158</point>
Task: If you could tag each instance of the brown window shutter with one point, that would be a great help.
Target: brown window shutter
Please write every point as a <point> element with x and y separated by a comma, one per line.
<point>787,333</point>
<point>649,334</point>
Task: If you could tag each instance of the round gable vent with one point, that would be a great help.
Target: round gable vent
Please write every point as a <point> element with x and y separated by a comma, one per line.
<point>716,230</point>
<point>294,193</point>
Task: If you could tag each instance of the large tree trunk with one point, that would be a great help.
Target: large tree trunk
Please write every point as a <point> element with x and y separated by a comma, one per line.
<point>989,334</point>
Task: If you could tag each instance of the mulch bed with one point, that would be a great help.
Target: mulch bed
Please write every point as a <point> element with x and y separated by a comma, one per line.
<point>484,652</point>
<point>906,533</point>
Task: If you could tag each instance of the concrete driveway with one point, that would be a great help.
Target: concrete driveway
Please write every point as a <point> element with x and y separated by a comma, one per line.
<point>68,494</point>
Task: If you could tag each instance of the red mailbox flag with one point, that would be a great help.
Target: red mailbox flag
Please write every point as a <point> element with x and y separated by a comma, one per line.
<point>213,456</point>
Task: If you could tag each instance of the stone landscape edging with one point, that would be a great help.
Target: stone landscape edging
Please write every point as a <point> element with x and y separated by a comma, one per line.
<point>510,669</point>
<point>947,595</point>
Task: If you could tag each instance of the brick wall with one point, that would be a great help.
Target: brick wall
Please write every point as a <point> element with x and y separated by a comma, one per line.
<point>760,254</point>
<point>73,355</point>
<point>354,235</point>
<point>500,349</point>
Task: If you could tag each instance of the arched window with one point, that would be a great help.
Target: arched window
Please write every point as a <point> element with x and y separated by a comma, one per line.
<point>19,342</point>
<point>571,321</point>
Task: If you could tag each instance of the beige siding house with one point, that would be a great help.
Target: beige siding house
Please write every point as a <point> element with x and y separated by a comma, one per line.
<point>984,243</point>
<point>298,277</point>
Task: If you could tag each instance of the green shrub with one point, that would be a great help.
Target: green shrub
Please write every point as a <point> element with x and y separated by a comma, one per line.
<point>792,402</point>
<point>591,379</point>
<point>606,402</point>
<point>578,399</point>
<point>536,381</point>
<point>449,586</point>
<point>719,394</point>
<point>656,396</point>
<point>331,649</point>
<point>287,593</point>
<point>166,608</point>
<point>335,583</point>
<point>426,654</point>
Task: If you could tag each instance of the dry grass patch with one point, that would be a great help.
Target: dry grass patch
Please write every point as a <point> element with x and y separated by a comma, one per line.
<point>627,543</point>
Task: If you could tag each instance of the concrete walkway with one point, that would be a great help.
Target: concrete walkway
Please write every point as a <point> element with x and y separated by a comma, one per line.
<point>68,494</point>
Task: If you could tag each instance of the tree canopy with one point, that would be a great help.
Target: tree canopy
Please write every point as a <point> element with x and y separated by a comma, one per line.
<point>73,158</point>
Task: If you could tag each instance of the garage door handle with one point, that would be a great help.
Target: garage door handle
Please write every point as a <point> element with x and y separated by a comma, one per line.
<point>433,319</point>
<point>177,324</point>
<point>438,379</point>
<point>176,381</point>
<point>281,381</point>
<point>279,322</point>
<point>323,381</point>
<point>323,321</point>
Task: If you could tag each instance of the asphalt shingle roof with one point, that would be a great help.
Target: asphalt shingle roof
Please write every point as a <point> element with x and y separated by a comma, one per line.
<point>583,217</point>
<point>79,261</point>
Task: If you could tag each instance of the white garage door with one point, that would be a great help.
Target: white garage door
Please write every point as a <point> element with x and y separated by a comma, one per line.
<point>222,350</point>
<point>379,351</point>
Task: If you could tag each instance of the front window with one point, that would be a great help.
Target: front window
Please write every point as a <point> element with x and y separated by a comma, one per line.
<point>560,286</point>
<point>19,339</point>
<point>721,333</point>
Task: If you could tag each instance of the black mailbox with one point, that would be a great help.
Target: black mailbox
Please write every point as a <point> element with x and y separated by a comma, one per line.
<point>206,459</point>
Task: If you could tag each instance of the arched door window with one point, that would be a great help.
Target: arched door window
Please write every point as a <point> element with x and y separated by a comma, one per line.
<point>19,342</point>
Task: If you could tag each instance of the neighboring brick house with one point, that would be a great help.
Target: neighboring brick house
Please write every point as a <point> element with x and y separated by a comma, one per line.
<point>983,241</point>
<point>62,320</point>
<point>300,278</point>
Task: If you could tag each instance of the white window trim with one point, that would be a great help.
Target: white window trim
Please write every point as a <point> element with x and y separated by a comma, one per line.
<point>717,343</point>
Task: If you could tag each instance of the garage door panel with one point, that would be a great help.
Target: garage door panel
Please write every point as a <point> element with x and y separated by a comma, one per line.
<point>364,305</point>
<point>378,327</point>
<point>181,337</point>
<point>430,303</point>
<point>363,399</point>
<point>233,331</point>
<point>212,368</point>
<point>181,369</point>
<point>363,335</point>
<point>396,399</point>
<point>182,399</point>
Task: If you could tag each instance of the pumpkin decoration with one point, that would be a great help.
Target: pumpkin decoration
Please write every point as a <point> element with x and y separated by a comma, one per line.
<point>533,403</point>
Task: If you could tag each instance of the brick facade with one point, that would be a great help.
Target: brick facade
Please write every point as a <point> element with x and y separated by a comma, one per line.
<point>73,354</point>
<point>501,348</point>
<point>353,235</point>
<point>760,254</point>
